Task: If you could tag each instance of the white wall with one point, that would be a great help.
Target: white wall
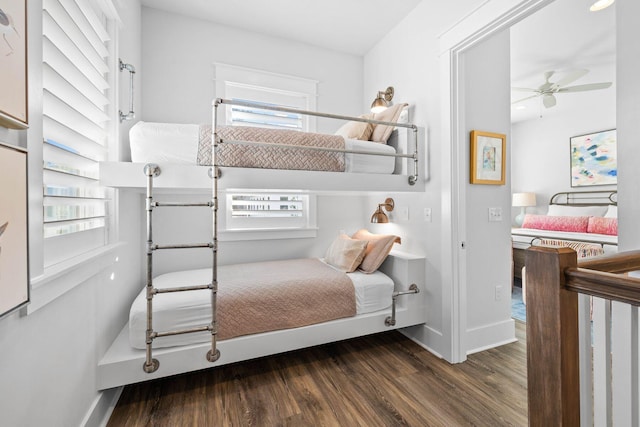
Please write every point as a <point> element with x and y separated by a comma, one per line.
<point>486,97</point>
<point>540,158</point>
<point>628,107</point>
<point>48,358</point>
<point>179,55</point>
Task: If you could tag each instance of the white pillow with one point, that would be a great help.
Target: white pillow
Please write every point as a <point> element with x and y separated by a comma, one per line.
<point>356,130</point>
<point>612,212</point>
<point>562,210</point>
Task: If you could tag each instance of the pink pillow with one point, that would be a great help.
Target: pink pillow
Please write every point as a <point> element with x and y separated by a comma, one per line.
<point>603,225</point>
<point>576,224</point>
<point>377,250</point>
<point>381,133</point>
<point>345,253</point>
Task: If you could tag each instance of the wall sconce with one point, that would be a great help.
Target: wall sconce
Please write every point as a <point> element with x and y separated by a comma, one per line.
<point>382,100</point>
<point>379,217</point>
<point>522,201</point>
<point>596,5</point>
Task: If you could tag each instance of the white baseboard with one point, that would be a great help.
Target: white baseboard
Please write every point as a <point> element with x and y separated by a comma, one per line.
<point>426,337</point>
<point>490,336</point>
<point>102,407</point>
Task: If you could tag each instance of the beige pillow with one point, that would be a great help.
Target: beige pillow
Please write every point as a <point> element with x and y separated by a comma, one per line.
<point>356,130</point>
<point>381,133</point>
<point>377,250</point>
<point>345,254</point>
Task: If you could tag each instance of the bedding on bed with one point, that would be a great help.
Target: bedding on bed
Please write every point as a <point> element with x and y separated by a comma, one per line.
<point>191,144</point>
<point>258,297</point>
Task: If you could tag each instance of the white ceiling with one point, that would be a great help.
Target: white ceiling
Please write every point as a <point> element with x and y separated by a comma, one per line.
<point>563,36</point>
<point>351,26</point>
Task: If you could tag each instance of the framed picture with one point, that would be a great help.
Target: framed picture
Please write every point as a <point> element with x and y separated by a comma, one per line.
<point>594,159</point>
<point>488,154</point>
<point>13,64</point>
<point>14,242</point>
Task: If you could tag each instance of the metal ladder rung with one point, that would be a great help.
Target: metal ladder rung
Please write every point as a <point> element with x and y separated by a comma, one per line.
<point>182,289</point>
<point>182,246</point>
<point>205,328</point>
<point>209,204</point>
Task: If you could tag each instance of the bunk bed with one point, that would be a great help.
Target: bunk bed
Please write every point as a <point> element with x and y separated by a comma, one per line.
<point>348,161</point>
<point>143,351</point>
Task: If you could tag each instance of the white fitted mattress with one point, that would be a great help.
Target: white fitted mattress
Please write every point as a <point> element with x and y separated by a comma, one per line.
<point>189,309</point>
<point>178,143</point>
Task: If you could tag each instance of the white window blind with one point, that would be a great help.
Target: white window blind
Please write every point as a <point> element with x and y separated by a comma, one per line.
<point>275,214</point>
<point>256,117</point>
<point>76,116</point>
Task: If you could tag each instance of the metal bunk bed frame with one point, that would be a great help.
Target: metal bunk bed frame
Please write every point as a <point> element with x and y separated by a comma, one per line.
<point>153,170</point>
<point>412,179</point>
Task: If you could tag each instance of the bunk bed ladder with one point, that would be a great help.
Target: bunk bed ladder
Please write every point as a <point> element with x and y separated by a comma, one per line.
<point>151,365</point>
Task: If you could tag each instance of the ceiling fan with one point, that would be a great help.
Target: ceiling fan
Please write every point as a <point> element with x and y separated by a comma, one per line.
<point>548,89</point>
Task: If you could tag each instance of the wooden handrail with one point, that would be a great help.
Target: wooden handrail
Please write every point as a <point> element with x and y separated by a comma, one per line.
<point>554,279</point>
<point>622,262</point>
<point>605,285</point>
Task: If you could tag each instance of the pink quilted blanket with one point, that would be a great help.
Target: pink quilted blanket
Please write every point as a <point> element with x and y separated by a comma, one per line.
<point>261,156</point>
<point>273,295</point>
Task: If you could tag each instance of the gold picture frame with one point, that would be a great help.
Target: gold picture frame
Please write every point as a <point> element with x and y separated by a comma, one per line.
<point>13,64</point>
<point>488,157</point>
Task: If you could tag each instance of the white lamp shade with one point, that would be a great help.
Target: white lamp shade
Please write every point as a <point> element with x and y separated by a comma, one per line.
<point>523,199</point>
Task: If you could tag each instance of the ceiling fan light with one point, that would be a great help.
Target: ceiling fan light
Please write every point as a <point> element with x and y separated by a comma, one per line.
<point>600,4</point>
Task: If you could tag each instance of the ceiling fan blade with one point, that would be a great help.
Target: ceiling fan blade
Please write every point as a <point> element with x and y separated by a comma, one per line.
<point>524,99</point>
<point>582,88</point>
<point>572,76</point>
<point>549,101</point>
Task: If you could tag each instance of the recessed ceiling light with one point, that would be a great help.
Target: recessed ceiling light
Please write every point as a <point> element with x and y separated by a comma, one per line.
<point>600,4</point>
<point>521,107</point>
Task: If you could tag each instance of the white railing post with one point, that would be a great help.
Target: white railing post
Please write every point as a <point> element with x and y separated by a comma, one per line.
<point>601,362</point>
<point>624,350</point>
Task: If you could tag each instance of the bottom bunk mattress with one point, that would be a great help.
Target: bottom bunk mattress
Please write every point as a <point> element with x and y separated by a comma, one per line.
<point>258,297</point>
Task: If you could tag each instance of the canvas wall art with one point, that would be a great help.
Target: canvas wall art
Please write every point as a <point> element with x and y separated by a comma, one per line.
<point>594,159</point>
<point>14,263</point>
<point>13,64</point>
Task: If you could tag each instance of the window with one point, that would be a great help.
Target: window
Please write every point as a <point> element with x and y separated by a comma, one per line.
<point>76,126</point>
<point>251,116</point>
<point>248,84</point>
<point>267,215</point>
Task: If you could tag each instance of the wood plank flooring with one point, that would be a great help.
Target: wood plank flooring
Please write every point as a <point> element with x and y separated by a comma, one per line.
<point>380,380</point>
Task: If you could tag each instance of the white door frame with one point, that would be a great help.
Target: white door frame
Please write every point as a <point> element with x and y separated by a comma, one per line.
<point>490,17</point>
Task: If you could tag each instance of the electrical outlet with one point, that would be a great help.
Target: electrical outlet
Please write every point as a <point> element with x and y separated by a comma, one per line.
<point>495,214</point>
<point>498,293</point>
<point>427,214</point>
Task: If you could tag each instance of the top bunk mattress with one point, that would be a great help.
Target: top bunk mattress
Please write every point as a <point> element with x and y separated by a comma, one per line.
<point>183,144</point>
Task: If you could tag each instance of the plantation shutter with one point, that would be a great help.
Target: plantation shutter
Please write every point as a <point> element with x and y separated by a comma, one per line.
<point>76,120</point>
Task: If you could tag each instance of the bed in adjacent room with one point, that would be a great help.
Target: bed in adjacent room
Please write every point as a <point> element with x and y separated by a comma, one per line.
<point>586,221</point>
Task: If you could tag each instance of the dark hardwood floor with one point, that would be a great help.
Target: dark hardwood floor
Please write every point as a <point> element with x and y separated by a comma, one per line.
<point>380,380</point>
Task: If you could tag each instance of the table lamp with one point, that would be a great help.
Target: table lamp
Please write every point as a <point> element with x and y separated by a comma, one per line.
<point>522,201</point>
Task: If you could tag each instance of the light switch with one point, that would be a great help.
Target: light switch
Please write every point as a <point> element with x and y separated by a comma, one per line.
<point>495,214</point>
